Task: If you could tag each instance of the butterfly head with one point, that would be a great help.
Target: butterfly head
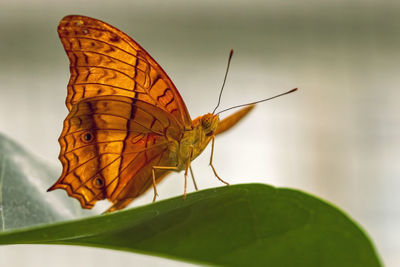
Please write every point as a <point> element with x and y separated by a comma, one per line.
<point>209,123</point>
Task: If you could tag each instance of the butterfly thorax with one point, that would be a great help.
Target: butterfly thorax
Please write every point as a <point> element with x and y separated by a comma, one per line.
<point>195,140</point>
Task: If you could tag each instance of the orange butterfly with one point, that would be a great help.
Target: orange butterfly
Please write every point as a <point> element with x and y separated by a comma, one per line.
<point>127,125</point>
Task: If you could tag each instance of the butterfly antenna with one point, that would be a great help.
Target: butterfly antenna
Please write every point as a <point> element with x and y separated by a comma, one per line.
<point>259,101</point>
<point>223,84</point>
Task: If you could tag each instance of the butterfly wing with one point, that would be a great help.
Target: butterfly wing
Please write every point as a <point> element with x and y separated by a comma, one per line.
<point>124,112</point>
<point>109,145</point>
<point>106,61</point>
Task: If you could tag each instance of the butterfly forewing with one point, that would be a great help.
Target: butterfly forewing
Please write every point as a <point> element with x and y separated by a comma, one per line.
<point>109,144</point>
<point>105,61</point>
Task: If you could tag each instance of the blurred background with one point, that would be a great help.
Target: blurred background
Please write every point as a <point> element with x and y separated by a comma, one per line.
<point>336,138</point>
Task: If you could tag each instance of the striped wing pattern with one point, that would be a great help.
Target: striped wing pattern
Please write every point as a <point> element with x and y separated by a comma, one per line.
<point>124,114</point>
<point>106,61</point>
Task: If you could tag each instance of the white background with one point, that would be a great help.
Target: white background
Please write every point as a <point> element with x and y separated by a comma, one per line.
<point>337,138</point>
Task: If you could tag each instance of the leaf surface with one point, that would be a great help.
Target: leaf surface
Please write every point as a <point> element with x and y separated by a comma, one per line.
<point>238,225</point>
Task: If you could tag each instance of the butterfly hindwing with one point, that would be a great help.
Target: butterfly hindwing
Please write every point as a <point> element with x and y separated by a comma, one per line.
<point>109,144</point>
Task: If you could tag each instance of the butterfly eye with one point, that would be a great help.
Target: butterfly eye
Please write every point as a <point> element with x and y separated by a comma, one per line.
<point>206,122</point>
<point>87,137</point>
<point>98,182</point>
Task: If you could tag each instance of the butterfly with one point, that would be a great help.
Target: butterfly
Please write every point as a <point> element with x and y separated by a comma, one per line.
<point>127,126</point>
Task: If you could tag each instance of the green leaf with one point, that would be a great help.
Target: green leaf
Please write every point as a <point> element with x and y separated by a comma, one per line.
<point>239,225</point>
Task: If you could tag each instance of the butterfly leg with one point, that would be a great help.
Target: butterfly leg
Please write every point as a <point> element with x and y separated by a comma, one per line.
<point>211,161</point>
<point>194,181</point>
<point>189,161</point>
<point>169,168</point>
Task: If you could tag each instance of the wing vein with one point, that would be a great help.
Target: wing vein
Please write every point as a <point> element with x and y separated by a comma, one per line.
<point>105,68</point>
<point>102,54</point>
<point>90,178</point>
<point>98,40</point>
